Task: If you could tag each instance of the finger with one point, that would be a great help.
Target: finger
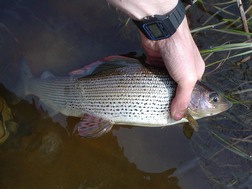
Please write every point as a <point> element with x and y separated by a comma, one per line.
<point>181,100</point>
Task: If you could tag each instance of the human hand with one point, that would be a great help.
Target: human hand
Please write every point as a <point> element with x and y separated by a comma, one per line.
<point>183,61</point>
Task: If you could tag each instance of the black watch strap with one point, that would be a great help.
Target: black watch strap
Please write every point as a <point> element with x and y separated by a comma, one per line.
<point>189,2</point>
<point>159,27</point>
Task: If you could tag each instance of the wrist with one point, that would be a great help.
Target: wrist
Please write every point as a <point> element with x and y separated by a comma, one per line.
<point>183,33</point>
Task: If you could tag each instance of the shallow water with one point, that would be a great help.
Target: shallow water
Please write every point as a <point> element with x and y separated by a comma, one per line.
<point>60,36</point>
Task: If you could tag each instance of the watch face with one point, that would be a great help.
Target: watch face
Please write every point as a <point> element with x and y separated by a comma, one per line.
<point>158,27</point>
<point>156,30</point>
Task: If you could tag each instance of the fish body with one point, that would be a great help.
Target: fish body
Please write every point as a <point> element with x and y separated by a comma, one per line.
<point>119,90</point>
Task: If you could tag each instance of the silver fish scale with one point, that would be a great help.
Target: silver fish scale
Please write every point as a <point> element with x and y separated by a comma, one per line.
<point>133,94</point>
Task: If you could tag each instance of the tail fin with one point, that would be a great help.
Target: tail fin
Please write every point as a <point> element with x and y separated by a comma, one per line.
<point>24,77</point>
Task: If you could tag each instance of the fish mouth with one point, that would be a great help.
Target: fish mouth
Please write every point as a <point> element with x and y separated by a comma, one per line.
<point>228,105</point>
<point>221,108</point>
<point>203,113</point>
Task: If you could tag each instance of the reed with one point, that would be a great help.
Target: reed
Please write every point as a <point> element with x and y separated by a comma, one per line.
<point>225,145</point>
<point>231,25</point>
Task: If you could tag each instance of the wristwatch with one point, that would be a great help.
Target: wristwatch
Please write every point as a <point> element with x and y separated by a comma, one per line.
<point>159,27</point>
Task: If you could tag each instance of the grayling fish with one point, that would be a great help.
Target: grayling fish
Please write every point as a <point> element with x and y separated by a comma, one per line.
<point>119,90</point>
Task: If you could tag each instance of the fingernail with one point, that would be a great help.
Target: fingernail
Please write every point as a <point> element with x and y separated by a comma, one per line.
<point>177,116</point>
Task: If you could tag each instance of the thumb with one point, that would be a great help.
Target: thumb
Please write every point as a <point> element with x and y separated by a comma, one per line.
<point>181,101</point>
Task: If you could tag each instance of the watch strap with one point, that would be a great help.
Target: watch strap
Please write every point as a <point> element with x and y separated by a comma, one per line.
<point>168,23</point>
<point>189,2</point>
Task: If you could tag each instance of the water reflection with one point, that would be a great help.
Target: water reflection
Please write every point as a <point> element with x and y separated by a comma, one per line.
<point>42,154</point>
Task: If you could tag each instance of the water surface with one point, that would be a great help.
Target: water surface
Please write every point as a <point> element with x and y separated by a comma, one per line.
<point>61,36</point>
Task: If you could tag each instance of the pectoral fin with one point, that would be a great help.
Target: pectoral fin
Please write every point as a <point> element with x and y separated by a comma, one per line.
<point>91,126</point>
<point>192,122</point>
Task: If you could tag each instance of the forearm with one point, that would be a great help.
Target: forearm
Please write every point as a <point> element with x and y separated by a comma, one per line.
<point>138,9</point>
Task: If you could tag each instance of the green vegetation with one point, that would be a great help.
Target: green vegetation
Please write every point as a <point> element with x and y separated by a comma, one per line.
<point>230,24</point>
<point>225,145</point>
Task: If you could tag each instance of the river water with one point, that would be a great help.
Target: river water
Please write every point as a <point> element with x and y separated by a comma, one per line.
<point>61,36</point>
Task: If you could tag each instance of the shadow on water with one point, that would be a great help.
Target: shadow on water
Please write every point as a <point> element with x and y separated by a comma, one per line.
<point>60,36</point>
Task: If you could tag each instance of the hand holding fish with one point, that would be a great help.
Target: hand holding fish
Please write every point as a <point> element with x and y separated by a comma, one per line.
<point>183,61</point>
<point>178,53</point>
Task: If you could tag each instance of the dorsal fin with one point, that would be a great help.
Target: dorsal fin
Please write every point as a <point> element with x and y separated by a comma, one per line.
<point>46,75</point>
<point>110,62</point>
<point>87,69</point>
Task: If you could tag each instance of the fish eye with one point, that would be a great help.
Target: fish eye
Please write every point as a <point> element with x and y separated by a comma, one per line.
<point>214,97</point>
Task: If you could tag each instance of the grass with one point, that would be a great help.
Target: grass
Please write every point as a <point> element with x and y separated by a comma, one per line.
<point>233,135</point>
<point>237,25</point>
<point>229,26</point>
